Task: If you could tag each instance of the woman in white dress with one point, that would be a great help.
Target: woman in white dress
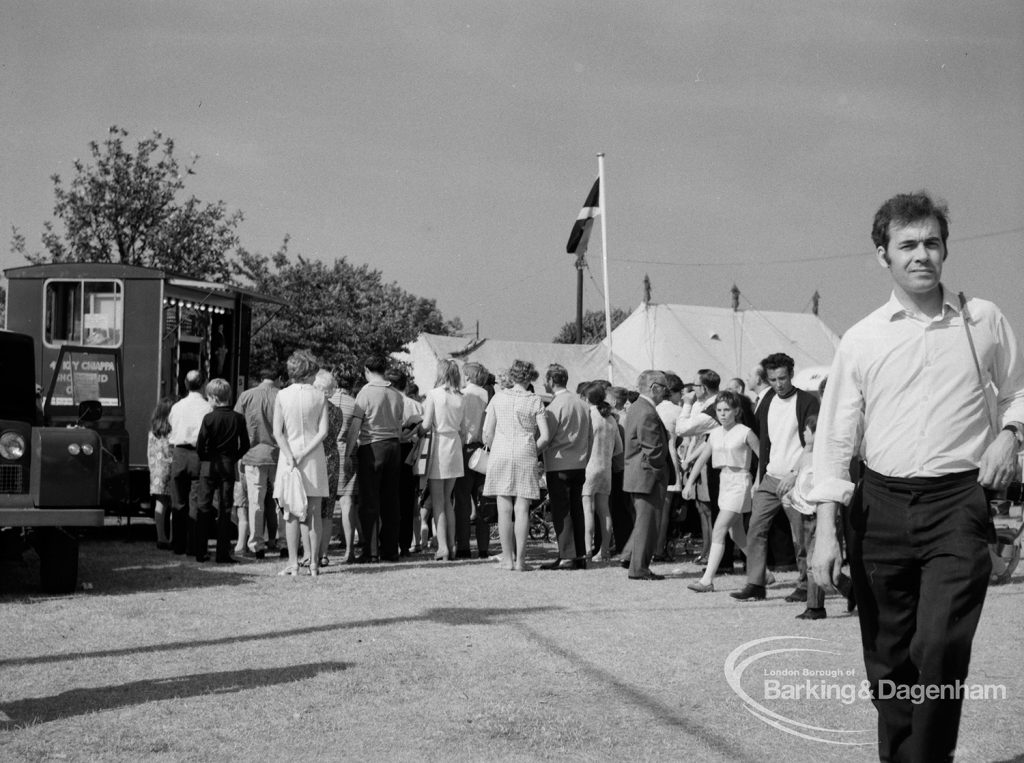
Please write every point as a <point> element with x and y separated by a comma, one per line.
<point>515,431</point>
<point>444,417</point>
<point>300,426</point>
<point>730,448</point>
<point>606,445</point>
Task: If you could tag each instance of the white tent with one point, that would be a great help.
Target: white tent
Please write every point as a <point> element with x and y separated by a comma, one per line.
<point>584,362</point>
<point>686,338</point>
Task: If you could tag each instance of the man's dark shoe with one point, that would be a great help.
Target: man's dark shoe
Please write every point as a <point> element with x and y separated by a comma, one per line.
<point>624,564</point>
<point>483,555</point>
<point>283,553</point>
<point>555,565</point>
<point>463,553</point>
<point>749,592</point>
<point>261,554</point>
<point>812,613</point>
<point>572,564</point>
<point>799,594</point>
<point>647,576</point>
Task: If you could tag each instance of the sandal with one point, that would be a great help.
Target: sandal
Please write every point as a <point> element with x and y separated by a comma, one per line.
<point>324,561</point>
<point>291,569</point>
<point>304,562</point>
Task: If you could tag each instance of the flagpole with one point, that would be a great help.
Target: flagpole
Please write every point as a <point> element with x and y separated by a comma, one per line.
<point>604,257</point>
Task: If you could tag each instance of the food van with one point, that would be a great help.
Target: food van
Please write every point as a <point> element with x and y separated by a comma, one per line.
<point>136,332</point>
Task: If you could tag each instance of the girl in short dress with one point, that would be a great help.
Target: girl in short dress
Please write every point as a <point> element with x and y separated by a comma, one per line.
<point>158,454</point>
<point>730,447</point>
<point>598,487</point>
<point>514,418</point>
<point>444,417</point>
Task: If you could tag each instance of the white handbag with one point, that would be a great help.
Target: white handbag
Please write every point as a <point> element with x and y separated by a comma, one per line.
<point>478,460</point>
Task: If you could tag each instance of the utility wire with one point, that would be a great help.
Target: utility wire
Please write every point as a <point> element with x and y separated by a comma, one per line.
<point>822,258</point>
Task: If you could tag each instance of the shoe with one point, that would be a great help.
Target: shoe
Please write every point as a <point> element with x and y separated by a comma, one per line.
<point>769,579</point>
<point>702,559</point>
<point>812,613</point>
<point>261,554</point>
<point>647,576</point>
<point>624,564</point>
<point>229,560</point>
<point>701,588</point>
<point>845,586</point>
<point>291,569</point>
<point>164,546</point>
<point>552,565</point>
<point>390,558</point>
<point>325,561</point>
<point>203,558</point>
<point>799,594</point>
<point>572,564</point>
<point>483,555</point>
<point>463,553</point>
<point>284,553</point>
<point>749,592</point>
<point>304,562</point>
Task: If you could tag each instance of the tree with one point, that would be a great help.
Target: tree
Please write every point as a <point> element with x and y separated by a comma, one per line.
<point>593,327</point>
<point>124,207</point>
<point>341,312</point>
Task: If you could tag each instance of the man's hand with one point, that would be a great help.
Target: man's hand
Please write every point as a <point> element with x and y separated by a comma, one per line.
<point>689,396</point>
<point>998,462</point>
<point>785,484</point>
<point>826,562</point>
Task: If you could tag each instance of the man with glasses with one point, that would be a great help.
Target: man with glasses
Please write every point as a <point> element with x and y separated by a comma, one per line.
<point>648,472</point>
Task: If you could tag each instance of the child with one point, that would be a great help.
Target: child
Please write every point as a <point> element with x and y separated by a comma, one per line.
<point>222,441</point>
<point>158,455</point>
<point>730,448</point>
<point>796,498</point>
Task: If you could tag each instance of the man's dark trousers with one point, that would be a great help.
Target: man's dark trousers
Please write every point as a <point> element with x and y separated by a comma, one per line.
<point>642,541</point>
<point>184,476</point>
<point>620,507</point>
<point>925,543</point>
<point>408,486</point>
<point>379,473</point>
<point>466,493</point>
<point>565,493</point>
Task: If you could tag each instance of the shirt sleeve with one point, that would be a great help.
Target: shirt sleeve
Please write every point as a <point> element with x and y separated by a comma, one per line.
<point>698,423</point>
<point>1008,373</point>
<point>840,428</point>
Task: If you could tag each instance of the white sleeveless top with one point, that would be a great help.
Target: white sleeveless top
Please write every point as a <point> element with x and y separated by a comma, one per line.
<point>729,448</point>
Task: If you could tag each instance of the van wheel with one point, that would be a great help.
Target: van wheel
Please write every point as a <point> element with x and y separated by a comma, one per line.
<point>58,560</point>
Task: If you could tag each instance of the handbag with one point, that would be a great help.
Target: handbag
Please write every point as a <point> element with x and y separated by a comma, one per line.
<point>478,460</point>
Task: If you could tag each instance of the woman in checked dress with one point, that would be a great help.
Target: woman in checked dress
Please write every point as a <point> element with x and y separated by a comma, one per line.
<point>515,430</point>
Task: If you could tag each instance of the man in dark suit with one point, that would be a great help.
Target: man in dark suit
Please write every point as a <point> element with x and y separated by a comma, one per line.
<point>647,472</point>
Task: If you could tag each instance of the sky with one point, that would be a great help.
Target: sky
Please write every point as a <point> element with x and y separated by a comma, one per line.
<point>451,144</point>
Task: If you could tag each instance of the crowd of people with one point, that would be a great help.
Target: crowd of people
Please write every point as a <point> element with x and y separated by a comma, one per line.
<point>385,473</point>
<point>924,414</point>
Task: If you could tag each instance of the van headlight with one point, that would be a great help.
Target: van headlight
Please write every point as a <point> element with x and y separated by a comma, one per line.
<point>12,446</point>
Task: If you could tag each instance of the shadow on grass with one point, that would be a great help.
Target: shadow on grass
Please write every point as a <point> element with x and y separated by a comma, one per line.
<point>441,615</point>
<point>666,714</point>
<point>81,701</point>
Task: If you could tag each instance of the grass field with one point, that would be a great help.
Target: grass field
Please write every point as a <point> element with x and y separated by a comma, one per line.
<point>165,659</point>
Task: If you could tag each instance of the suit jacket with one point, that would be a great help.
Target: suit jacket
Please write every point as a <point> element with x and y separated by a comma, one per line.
<point>645,448</point>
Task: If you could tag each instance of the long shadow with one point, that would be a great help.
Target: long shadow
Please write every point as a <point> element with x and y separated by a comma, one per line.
<point>725,746</point>
<point>442,615</point>
<point>81,701</point>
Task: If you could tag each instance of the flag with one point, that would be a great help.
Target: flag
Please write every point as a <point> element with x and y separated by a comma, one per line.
<point>581,228</point>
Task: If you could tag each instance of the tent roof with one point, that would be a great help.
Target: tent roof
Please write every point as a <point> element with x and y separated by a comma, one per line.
<point>583,362</point>
<point>686,338</point>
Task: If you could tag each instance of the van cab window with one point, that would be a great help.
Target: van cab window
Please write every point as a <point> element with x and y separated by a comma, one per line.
<point>84,312</point>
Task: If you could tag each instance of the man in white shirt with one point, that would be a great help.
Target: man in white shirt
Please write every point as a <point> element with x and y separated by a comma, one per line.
<point>929,391</point>
<point>186,417</point>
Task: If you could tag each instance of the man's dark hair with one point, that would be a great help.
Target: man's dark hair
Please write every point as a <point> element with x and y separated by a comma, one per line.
<point>777,360</point>
<point>377,364</point>
<point>557,375</point>
<point>907,208</point>
<point>710,379</point>
<point>398,378</point>
<point>739,383</point>
<point>675,384</point>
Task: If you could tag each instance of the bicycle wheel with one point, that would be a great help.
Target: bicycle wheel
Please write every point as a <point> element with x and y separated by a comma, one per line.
<point>1005,555</point>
